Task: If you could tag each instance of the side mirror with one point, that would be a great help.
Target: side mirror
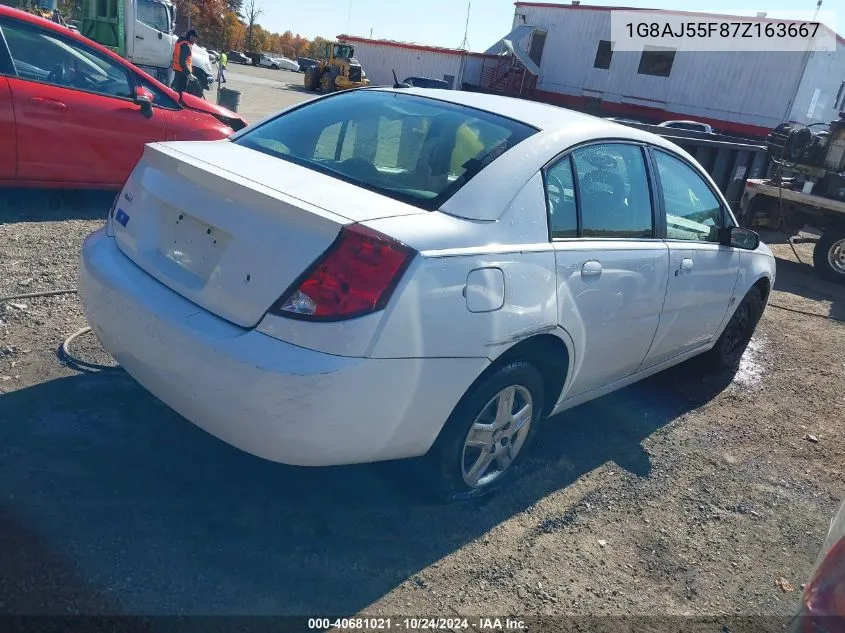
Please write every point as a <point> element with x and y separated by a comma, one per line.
<point>738,237</point>
<point>144,98</point>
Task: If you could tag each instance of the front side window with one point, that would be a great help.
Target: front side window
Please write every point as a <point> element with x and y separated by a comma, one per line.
<point>613,189</point>
<point>417,150</point>
<point>160,98</point>
<point>343,51</point>
<point>693,212</point>
<point>41,56</point>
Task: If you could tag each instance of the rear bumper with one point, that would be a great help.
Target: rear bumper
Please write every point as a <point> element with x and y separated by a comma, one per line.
<point>267,397</point>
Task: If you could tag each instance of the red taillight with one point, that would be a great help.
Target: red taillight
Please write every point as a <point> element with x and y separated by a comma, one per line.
<point>355,276</point>
<point>823,602</point>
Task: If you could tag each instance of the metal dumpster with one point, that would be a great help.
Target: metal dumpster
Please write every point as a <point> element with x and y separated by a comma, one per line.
<point>730,161</point>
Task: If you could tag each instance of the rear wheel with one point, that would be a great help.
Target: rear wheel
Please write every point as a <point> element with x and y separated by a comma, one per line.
<point>487,434</point>
<point>731,345</point>
<point>829,255</point>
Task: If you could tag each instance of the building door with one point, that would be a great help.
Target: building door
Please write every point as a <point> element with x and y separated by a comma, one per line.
<point>538,43</point>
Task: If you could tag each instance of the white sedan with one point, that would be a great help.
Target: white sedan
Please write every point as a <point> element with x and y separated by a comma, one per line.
<point>287,64</point>
<point>277,63</point>
<point>389,273</point>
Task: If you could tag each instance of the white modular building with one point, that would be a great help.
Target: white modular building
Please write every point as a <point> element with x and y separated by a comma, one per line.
<point>576,65</point>
<point>564,54</point>
<point>380,58</point>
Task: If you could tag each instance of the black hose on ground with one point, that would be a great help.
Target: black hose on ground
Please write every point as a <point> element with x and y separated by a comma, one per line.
<point>64,351</point>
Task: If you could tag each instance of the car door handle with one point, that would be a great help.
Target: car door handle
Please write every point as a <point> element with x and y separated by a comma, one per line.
<point>55,104</point>
<point>686,266</point>
<point>139,37</point>
<point>591,269</point>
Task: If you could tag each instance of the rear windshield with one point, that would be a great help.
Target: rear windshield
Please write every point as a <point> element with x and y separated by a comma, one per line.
<point>413,149</point>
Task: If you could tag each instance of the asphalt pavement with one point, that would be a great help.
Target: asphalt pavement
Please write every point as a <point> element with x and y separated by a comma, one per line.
<point>263,90</point>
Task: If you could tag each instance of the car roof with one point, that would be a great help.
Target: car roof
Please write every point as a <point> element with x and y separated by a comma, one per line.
<point>685,122</point>
<point>542,116</point>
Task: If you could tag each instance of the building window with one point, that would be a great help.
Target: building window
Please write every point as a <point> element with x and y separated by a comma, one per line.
<point>603,55</point>
<point>656,61</point>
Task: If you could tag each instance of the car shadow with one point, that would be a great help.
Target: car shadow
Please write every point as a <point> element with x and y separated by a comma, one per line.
<point>43,205</point>
<point>801,280</point>
<point>154,516</point>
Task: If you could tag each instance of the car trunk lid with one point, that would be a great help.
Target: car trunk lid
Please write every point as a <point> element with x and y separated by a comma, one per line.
<point>230,228</point>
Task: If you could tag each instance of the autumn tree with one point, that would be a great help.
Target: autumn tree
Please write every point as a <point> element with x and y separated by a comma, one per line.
<point>234,32</point>
<point>315,48</point>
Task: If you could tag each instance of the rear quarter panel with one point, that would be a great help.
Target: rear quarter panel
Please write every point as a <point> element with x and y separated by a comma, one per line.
<point>429,315</point>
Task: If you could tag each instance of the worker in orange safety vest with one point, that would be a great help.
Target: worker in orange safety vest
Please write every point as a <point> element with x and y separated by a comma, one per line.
<point>182,64</point>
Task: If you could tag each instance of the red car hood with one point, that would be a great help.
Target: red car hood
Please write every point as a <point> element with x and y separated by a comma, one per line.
<point>227,117</point>
<point>232,119</point>
<point>195,103</point>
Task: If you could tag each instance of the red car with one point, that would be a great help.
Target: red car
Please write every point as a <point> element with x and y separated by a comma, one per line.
<point>822,607</point>
<point>75,115</point>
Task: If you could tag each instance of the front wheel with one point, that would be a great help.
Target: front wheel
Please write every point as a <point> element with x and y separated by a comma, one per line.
<point>829,255</point>
<point>730,346</point>
<point>489,431</point>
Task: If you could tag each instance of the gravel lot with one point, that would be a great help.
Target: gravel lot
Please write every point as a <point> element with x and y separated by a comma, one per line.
<point>677,496</point>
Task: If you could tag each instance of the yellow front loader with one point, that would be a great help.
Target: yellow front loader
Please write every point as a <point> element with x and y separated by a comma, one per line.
<point>337,69</point>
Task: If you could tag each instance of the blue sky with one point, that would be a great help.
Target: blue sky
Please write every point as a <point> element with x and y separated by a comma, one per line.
<point>441,22</point>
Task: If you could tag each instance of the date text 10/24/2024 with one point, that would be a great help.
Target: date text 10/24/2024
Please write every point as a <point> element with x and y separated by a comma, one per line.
<point>374,624</point>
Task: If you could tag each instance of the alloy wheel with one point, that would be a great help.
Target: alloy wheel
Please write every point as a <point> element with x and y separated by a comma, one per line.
<point>496,436</point>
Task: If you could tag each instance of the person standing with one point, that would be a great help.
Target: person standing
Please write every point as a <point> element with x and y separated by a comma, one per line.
<point>182,65</point>
<point>224,61</point>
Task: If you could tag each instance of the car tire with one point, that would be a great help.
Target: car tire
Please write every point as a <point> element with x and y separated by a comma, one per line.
<point>454,466</point>
<point>731,344</point>
<point>327,81</point>
<point>312,79</point>
<point>829,255</point>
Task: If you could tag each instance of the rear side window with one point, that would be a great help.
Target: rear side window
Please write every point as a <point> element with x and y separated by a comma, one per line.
<point>614,190</point>
<point>600,191</point>
<point>417,150</point>
<point>560,197</point>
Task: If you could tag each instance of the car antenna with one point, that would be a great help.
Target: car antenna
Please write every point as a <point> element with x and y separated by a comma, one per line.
<point>396,83</point>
